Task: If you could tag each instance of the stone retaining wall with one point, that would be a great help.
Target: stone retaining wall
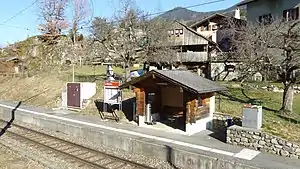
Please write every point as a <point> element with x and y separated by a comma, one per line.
<point>259,140</point>
<point>220,124</point>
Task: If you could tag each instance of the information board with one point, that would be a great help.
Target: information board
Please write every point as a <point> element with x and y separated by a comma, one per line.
<point>112,94</point>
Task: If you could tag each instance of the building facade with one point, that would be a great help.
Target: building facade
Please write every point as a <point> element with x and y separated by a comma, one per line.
<point>192,50</point>
<point>268,10</point>
<point>221,68</point>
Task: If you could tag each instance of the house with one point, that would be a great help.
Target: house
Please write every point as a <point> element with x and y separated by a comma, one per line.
<point>178,98</point>
<point>11,65</point>
<point>192,49</point>
<point>214,28</point>
<point>267,10</point>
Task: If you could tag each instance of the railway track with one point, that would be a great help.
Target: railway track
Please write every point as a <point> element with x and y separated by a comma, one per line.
<point>76,154</point>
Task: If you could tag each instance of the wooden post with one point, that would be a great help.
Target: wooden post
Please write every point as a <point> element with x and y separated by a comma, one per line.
<point>188,112</point>
<point>193,109</point>
<point>73,73</point>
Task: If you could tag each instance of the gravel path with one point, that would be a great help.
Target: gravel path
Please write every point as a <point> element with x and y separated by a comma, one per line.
<point>155,163</point>
<point>12,160</point>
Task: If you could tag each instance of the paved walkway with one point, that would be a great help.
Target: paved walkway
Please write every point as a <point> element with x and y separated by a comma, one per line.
<point>202,142</point>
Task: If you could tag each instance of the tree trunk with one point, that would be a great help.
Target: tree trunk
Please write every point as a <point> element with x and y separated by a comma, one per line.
<point>127,71</point>
<point>287,101</point>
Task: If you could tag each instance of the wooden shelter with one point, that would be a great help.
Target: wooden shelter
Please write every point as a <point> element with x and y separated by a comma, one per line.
<point>178,98</point>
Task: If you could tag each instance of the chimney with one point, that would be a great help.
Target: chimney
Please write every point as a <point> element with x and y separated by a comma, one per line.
<point>237,13</point>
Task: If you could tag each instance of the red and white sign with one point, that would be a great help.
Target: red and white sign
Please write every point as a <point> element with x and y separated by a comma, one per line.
<point>112,84</point>
<point>112,94</point>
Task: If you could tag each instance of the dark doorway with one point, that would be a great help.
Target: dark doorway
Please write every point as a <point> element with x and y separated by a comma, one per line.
<point>73,94</point>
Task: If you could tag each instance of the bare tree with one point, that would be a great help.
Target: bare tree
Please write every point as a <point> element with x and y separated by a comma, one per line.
<point>132,37</point>
<point>157,46</point>
<point>52,13</point>
<point>81,11</point>
<point>285,43</point>
<point>276,44</point>
<point>122,38</point>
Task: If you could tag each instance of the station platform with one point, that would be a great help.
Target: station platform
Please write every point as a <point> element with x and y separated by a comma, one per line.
<point>203,144</point>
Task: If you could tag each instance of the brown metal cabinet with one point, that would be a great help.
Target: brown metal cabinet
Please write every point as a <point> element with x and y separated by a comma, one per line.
<point>73,95</point>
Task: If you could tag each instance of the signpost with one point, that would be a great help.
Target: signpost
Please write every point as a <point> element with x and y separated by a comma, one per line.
<point>112,93</point>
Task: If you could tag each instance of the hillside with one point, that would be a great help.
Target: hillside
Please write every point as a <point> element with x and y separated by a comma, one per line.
<point>189,16</point>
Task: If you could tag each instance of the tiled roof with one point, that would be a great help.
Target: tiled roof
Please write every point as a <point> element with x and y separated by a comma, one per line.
<point>183,78</point>
<point>207,18</point>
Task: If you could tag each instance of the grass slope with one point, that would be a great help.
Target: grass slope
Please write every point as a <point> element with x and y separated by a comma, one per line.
<point>44,89</point>
<point>287,127</point>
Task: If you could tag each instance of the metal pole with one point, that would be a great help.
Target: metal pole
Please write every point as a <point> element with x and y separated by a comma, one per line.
<point>219,102</point>
<point>73,73</point>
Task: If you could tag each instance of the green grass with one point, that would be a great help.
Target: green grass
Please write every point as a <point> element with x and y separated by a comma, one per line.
<point>95,70</point>
<point>237,96</point>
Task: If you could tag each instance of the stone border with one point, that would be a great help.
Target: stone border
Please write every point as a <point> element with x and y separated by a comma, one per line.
<point>259,140</point>
<point>219,121</point>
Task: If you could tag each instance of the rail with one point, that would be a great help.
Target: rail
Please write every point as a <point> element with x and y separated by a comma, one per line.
<point>78,153</point>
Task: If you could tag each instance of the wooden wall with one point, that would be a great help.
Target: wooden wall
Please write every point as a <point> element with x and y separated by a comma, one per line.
<point>171,96</point>
<point>193,112</point>
<point>140,101</point>
<point>187,38</point>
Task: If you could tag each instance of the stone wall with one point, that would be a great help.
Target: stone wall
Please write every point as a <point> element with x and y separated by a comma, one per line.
<point>220,121</point>
<point>259,140</point>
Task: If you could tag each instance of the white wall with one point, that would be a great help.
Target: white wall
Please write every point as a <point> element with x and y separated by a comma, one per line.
<point>216,68</point>
<point>200,125</point>
<point>276,7</point>
<point>87,90</point>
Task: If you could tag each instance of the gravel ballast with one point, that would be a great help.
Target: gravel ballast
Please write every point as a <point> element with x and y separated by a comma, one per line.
<point>14,160</point>
<point>155,163</point>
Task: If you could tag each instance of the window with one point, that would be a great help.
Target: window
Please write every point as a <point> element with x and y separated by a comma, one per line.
<point>230,68</point>
<point>215,27</point>
<point>176,31</point>
<point>181,31</point>
<point>291,14</point>
<point>265,19</point>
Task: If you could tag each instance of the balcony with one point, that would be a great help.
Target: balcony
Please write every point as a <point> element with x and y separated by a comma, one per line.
<point>192,57</point>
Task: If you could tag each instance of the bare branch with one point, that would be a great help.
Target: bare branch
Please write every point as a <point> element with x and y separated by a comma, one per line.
<point>52,15</point>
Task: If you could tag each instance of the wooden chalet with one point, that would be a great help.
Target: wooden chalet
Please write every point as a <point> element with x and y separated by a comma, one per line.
<point>192,49</point>
<point>216,28</point>
<point>177,98</point>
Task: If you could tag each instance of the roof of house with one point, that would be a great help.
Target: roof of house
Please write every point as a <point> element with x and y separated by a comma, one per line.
<point>183,78</point>
<point>245,2</point>
<point>196,33</point>
<point>208,18</point>
<point>214,16</point>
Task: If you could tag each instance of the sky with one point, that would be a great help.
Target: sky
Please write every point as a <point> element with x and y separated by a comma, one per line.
<point>26,24</point>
